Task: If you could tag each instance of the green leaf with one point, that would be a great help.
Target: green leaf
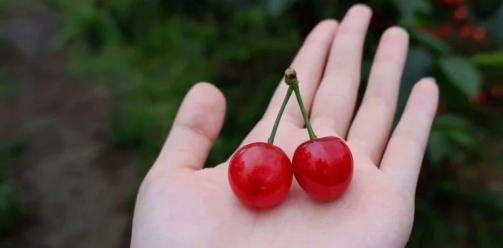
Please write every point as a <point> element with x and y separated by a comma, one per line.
<point>449,135</point>
<point>452,121</point>
<point>7,89</point>
<point>10,208</point>
<point>462,74</point>
<point>462,137</point>
<point>439,147</point>
<point>9,153</point>
<point>488,59</point>
<point>409,11</point>
<point>430,41</point>
<point>2,6</point>
<point>278,7</point>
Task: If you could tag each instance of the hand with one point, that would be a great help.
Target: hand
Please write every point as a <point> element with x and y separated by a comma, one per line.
<point>182,205</point>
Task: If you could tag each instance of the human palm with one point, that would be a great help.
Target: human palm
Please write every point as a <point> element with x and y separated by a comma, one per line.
<point>182,205</point>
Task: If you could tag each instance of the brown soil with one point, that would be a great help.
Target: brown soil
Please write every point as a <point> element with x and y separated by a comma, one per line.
<point>76,190</point>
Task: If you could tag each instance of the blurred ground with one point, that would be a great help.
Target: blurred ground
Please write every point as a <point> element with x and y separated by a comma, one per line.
<point>74,190</point>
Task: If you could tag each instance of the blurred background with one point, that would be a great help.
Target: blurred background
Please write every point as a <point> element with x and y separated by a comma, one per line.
<point>89,88</point>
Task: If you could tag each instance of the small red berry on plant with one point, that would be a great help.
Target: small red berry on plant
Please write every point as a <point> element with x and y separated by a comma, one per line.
<point>466,31</point>
<point>443,31</point>
<point>480,98</point>
<point>480,35</point>
<point>460,14</point>
<point>450,166</point>
<point>451,3</point>
<point>440,109</point>
<point>497,90</point>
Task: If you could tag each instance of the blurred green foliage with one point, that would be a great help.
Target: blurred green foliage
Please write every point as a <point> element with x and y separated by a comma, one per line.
<point>151,52</point>
<point>10,206</point>
<point>2,4</point>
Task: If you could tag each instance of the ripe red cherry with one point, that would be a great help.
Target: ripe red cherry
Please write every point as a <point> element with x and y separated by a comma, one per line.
<point>323,167</point>
<point>260,174</point>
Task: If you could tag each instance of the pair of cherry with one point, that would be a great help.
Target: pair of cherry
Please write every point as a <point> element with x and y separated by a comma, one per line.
<point>260,174</point>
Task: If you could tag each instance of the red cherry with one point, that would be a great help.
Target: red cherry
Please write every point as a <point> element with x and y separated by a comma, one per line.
<point>260,175</point>
<point>323,167</point>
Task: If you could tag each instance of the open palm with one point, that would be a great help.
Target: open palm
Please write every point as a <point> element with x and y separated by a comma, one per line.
<point>182,205</point>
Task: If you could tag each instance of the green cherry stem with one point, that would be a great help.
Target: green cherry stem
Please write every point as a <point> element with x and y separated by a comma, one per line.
<point>280,114</point>
<point>310,131</point>
<point>293,82</point>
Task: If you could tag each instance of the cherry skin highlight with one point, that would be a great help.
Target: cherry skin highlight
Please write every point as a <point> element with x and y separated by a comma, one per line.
<point>323,168</point>
<point>260,175</point>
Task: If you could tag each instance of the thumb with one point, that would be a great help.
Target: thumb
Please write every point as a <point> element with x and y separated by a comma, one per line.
<point>197,125</point>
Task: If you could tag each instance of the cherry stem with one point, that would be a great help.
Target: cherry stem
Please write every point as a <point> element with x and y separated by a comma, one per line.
<point>309,128</point>
<point>293,82</point>
<point>280,114</point>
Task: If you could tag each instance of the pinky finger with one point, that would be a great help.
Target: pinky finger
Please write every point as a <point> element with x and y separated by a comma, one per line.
<point>404,154</point>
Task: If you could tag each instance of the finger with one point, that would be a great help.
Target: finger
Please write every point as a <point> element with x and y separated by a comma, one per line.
<point>334,103</point>
<point>403,156</point>
<point>196,126</point>
<point>371,126</point>
<point>309,64</point>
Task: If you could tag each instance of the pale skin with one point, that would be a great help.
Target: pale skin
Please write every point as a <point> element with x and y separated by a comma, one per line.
<point>182,205</point>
